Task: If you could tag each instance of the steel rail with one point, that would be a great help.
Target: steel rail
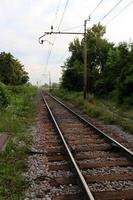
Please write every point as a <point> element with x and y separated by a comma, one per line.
<point>88,194</point>
<point>97,130</point>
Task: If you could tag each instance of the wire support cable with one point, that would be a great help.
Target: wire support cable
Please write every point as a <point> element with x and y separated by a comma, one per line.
<point>73,27</point>
<point>95,8</point>
<point>111,10</point>
<point>63,15</point>
<point>54,20</point>
<point>56,12</point>
<point>119,12</point>
<point>61,20</point>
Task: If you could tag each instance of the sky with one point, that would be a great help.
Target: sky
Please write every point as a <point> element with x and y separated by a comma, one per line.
<point>22,22</point>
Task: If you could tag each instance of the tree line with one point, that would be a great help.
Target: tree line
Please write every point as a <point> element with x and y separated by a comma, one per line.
<point>110,66</point>
<point>12,77</point>
<point>11,70</point>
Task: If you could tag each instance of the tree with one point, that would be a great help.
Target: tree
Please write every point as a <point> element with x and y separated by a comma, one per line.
<point>97,55</point>
<point>11,70</point>
<point>125,83</point>
<point>72,77</point>
<point>111,71</point>
<point>110,67</point>
<point>98,49</point>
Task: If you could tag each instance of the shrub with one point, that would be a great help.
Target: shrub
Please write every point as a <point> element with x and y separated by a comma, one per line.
<point>4,97</point>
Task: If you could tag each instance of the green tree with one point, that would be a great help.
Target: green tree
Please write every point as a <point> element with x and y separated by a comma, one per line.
<point>72,77</point>
<point>125,83</point>
<point>11,70</point>
<point>110,67</point>
<point>98,48</point>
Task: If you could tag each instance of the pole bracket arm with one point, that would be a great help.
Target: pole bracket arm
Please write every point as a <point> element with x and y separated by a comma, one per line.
<point>40,38</point>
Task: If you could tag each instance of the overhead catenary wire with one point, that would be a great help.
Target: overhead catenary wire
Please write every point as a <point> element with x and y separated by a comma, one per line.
<point>119,12</point>
<point>66,52</point>
<point>62,17</point>
<point>58,6</point>
<point>56,11</point>
<point>73,27</point>
<point>61,20</point>
<point>111,10</point>
<point>50,49</point>
<point>92,12</point>
<point>54,19</point>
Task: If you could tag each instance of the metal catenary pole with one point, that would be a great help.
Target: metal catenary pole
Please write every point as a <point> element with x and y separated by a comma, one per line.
<point>50,85</point>
<point>85,61</point>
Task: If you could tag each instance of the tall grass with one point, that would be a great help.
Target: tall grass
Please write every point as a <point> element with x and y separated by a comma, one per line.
<point>16,120</point>
<point>106,110</point>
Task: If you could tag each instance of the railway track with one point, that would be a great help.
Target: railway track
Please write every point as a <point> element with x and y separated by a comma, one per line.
<point>99,167</point>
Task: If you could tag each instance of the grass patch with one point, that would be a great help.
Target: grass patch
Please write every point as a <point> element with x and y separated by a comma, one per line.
<point>16,121</point>
<point>105,110</point>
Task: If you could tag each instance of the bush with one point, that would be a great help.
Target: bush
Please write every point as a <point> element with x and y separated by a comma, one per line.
<point>125,86</point>
<point>4,97</point>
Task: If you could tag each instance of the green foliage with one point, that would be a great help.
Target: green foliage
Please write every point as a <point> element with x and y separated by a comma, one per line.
<point>73,76</point>
<point>105,110</point>
<point>109,66</point>
<point>11,166</point>
<point>98,48</point>
<point>125,86</point>
<point>11,70</point>
<point>16,121</point>
<point>4,96</point>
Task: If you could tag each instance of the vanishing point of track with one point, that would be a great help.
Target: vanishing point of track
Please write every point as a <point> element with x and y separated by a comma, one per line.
<point>102,167</point>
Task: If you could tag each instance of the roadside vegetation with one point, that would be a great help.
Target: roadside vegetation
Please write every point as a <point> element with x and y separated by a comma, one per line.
<point>109,75</point>
<point>105,110</point>
<point>17,117</point>
<point>110,67</point>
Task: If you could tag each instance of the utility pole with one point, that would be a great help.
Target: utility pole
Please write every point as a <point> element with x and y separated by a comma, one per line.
<point>85,88</point>
<point>50,86</point>
<point>85,51</point>
<point>85,61</point>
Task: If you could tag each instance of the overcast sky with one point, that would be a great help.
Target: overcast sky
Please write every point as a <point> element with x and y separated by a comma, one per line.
<point>23,21</point>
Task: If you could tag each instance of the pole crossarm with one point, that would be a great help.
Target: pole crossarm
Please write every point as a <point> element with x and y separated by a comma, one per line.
<point>59,32</point>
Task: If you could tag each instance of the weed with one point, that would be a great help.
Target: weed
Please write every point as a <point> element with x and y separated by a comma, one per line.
<point>16,120</point>
<point>103,109</point>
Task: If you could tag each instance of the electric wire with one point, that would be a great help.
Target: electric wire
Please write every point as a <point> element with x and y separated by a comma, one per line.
<point>74,27</point>
<point>56,11</point>
<point>95,8</point>
<point>50,51</point>
<point>61,20</point>
<point>71,28</point>
<point>119,13</point>
<point>54,20</point>
<point>102,18</point>
<point>82,25</point>
<point>58,6</point>
<point>66,52</point>
<point>63,15</point>
<point>111,10</point>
